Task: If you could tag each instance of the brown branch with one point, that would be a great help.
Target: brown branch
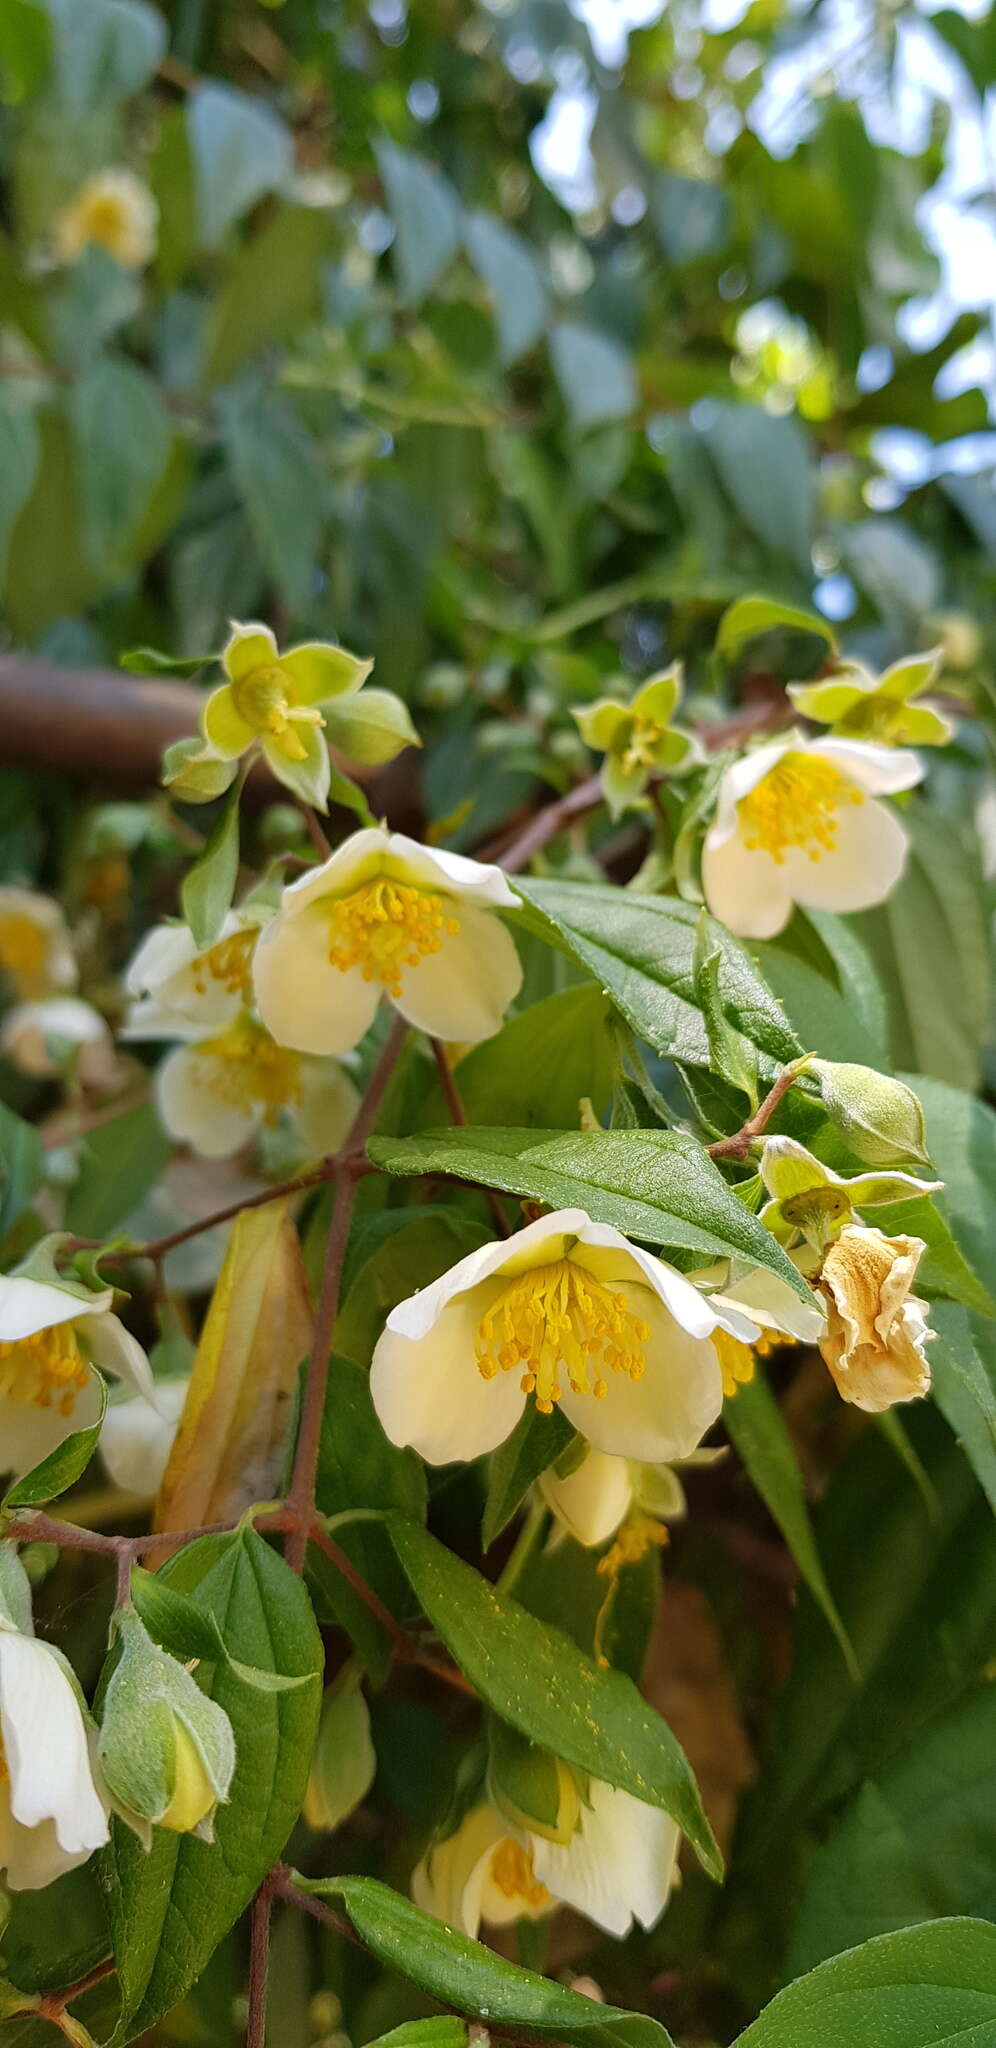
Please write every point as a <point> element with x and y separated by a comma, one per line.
<point>738,1145</point>
<point>459,1116</point>
<point>259,1961</point>
<point>551,820</point>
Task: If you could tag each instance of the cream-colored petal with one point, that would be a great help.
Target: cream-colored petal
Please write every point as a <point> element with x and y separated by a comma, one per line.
<point>630,1263</point>
<point>620,1864</point>
<point>45,1746</point>
<point>359,859</point>
<point>771,1302</point>
<point>880,771</point>
<point>327,1105</point>
<point>463,991</point>
<point>29,1433</point>
<point>862,869</point>
<point>303,1000</point>
<point>190,1091</point>
<point>27,1306</point>
<point>429,1393</point>
<point>538,1244</point>
<point>249,647</point>
<point>136,1439</point>
<point>744,887</point>
<point>743,776</point>
<point>114,1350</point>
<point>592,1501</point>
<point>665,1414</point>
<point>223,725</point>
<point>434,867</point>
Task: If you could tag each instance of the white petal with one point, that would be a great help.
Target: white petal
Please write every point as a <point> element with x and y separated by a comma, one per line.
<point>303,1000</point>
<point>166,967</point>
<point>741,778</point>
<point>618,1866</point>
<point>431,867</point>
<point>136,1438</point>
<point>113,1348</point>
<point>665,1414</point>
<point>30,1028</point>
<point>28,1433</point>
<point>190,1097</point>
<point>683,1301</point>
<point>463,991</point>
<point>773,1304</point>
<point>45,1744</point>
<point>744,887</point>
<point>430,1394</point>
<point>591,1502</point>
<point>27,1306</point>
<point>359,859</point>
<point>538,1244</point>
<point>327,1106</point>
<point>881,771</point>
<point>861,870</point>
<point>373,851</point>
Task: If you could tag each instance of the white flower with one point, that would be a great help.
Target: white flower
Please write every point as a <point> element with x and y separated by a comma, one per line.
<point>387,916</point>
<point>35,955</point>
<point>51,1814</point>
<point>798,821</point>
<point>43,1037</point>
<point>618,1866</point>
<point>571,1312</point>
<point>181,990</point>
<point>52,1335</point>
<point>114,210</point>
<point>136,1439</point>
<point>214,1094</point>
<point>591,1502</point>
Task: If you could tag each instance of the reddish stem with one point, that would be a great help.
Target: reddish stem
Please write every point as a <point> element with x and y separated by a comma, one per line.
<point>739,1143</point>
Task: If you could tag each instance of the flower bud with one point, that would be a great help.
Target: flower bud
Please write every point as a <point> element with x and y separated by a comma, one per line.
<point>193,774</point>
<point>370,728</point>
<point>345,1761</point>
<point>166,1751</point>
<point>876,1328</point>
<point>881,1118</point>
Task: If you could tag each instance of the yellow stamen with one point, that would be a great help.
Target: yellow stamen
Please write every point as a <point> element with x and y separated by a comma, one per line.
<point>640,751</point>
<point>772,1340</point>
<point>229,962</point>
<point>559,1316</point>
<point>737,1361</point>
<point>384,927</point>
<point>4,1772</point>
<point>46,1370</point>
<point>23,952</point>
<point>512,1871</point>
<point>796,805</point>
<point>248,1066</point>
<point>263,698</point>
<point>632,1543</point>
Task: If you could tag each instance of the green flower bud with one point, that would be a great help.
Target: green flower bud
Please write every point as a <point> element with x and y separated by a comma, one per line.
<point>345,1761</point>
<point>881,1119</point>
<point>371,728</point>
<point>166,1751</point>
<point>15,1592</point>
<point>193,774</point>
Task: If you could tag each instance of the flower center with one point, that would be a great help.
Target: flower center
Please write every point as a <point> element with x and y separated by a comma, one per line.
<point>47,1369</point>
<point>384,927</point>
<point>796,804</point>
<point>262,698</point>
<point>23,949</point>
<point>248,1065</point>
<point>105,220</point>
<point>228,962</point>
<point>736,1361</point>
<point>640,750</point>
<point>513,1873</point>
<point>560,1316</point>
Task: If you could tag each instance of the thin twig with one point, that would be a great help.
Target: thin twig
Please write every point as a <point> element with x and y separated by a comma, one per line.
<point>259,1962</point>
<point>551,820</point>
<point>459,1116</point>
<point>316,835</point>
<point>738,1145</point>
<point>157,1247</point>
<point>285,1888</point>
<point>346,1568</point>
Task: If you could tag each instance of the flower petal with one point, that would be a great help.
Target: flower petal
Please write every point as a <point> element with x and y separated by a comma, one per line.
<point>745,888</point>
<point>770,1301</point>
<point>27,1306</point>
<point>743,776</point>
<point>429,1393</point>
<point>303,1000</point>
<point>114,1350</point>
<point>136,1439</point>
<point>318,671</point>
<point>249,647</point>
<point>593,1500</point>
<point>310,778</point>
<point>665,1414</point>
<point>190,1096</point>
<point>861,870</point>
<point>618,1866</point>
<point>327,1105</point>
<point>432,867</point>
<point>536,1245</point>
<point>29,1433</point>
<point>223,725</point>
<point>463,991</point>
<point>45,1744</point>
<point>880,771</point>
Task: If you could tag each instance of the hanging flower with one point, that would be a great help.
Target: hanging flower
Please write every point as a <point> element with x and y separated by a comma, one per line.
<point>877,1331</point>
<point>638,739</point>
<point>273,699</point>
<point>215,1094</point>
<point>861,706</point>
<point>114,211</point>
<point>45,1038</point>
<point>811,1204</point>
<point>53,1334</point>
<point>36,958</point>
<point>566,1311</point>
<point>597,1496</point>
<point>136,1439</point>
<point>617,1867</point>
<point>386,916</point>
<point>52,1816</point>
<point>799,821</point>
<point>178,988</point>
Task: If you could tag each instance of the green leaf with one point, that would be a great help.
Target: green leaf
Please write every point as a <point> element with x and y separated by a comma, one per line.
<point>25,50</point>
<point>427,219</point>
<point>418,1250</point>
<point>693,219</point>
<point>945,1269</point>
<point>275,465</point>
<point>170,1908</point>
<point>359,1468</point>
<point>515,282</point>
<point>826,1020</point>
<point>535,1444</point>
<point>963,1370</point>
<point>271,291</point>
<point>151,661</point>
<point>22,1166</point>
<point>123,440</point>
<point>240,150</point>
<point>961,1141</point>
<point>536,1678</point>
<point>765,466</point>
<point>641,951</point>
<point>208,887</point>
<point>595,374</point>
<point>657,1185</point>
<point>541,1065</point>
<point>119,1163</point>
<point>927,1987</point>
<point>729,1053</point>
<point>443,2031</point>
<point>20,453</point>
<point>172,1620</point>
<point>754,1423</point>
<point>750,617</point>
<point>63,1466</point>
<point>917,1841</point>
<point>343,790</point>
<point>465,1974</point>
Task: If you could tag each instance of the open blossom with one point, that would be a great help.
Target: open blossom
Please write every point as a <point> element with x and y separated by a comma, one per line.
<point>52,1816</point>
<point>114,211</point>
<point>877,1331</point>
<point>810,1204</point>
<point>862,706</point>
<point>178,988</point>
<point>616,1867</point>
<point>52,1337</point>
<point>565,1311</point>
<point>36,958</point>
<point>800,821</point>
<point>638,738</point>
<point>214,1094</point>
<point>385,916</point>
<point>43,1038</point>
<point>592,1501</point>
<point>274,699</point>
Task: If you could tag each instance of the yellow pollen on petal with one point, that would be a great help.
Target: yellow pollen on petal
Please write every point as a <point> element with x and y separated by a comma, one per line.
<point>385,926</point>
<point>229,962</point>
<point>247,1065</point>
<point>737,1361</point>
<point>23,952</point>
<point>46,1370</point>
<point>513,1873</point>
<point>559,1320</point>
<point>797,804</point>
<point>264,700</point>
